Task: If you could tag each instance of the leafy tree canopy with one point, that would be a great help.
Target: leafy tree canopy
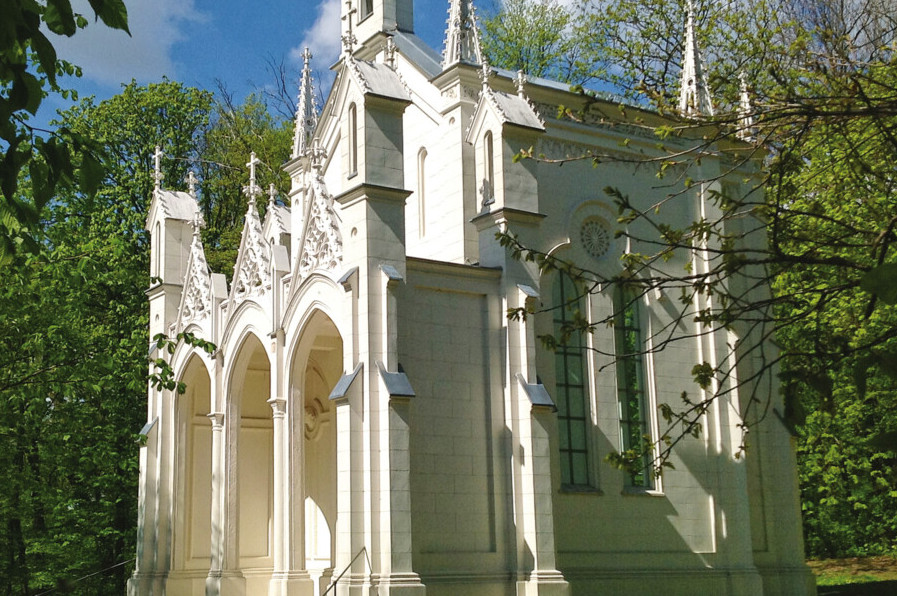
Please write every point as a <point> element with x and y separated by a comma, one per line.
<point>29,68</point>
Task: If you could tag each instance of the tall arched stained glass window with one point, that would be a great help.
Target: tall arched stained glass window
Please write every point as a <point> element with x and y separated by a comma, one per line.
<point>631,387</point>
<point>571,387</point>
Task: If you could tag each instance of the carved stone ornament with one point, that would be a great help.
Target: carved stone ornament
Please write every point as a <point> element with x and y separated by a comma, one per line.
<point>314,412</point>
<point>253,274</point>
<point>196,303</point>
<point>595,238</point>
<point>322,244</point>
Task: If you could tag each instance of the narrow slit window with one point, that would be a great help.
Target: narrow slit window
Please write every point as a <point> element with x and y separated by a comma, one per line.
<point>422,191</point>
<point>353,140</point>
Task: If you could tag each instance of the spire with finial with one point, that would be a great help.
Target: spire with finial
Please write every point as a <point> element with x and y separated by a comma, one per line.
<point>694,93</point>
<point>520,83</point>
<point>253,189</point>
<point>157,169</point>
<point>196,224</point>
<point>272,195</point>
<point>389,53</point>
<point>191,183</point>
<point>485,73</point>
<point>462,41</point>
<point>306,111</point>
<point>349,38</point>
<point>745,112</point>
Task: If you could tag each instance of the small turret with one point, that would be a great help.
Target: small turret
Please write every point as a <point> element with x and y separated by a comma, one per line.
<point>694,93</point>
<point>745,112</point>
<point>462,41</point>
<point>306,111</point>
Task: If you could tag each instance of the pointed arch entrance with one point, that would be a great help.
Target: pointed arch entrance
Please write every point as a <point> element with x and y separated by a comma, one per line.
<point>250,391</point>
<point>192,507</point>
<point>316,368</point>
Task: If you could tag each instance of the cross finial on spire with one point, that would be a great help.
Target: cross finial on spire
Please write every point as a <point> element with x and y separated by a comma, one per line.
<point>191,183</point>
<point>694,95</point>
<point>349,38</point>
<point>252,190</point>
<point>157,173</point>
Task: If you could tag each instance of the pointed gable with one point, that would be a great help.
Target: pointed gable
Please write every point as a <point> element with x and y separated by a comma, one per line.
<point>516,110</point>
<point>321,243</point>
<point>196,300</point>
<point>252,272</point>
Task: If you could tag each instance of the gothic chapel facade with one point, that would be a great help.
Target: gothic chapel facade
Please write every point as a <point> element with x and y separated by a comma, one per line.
<point>373,423</point>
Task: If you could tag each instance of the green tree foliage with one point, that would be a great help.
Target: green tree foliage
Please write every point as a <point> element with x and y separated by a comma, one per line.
<point>73,323</point>
<point>234,133</point>
<point>533,36</point>
<point>73,328</point>
<point>823,84</point>
<point>29,68</point>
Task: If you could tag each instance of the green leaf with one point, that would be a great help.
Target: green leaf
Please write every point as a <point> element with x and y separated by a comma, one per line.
<point>60,18</point>
<point>112,12</point>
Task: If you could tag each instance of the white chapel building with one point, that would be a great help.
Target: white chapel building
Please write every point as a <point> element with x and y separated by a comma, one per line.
<point>373,423</point>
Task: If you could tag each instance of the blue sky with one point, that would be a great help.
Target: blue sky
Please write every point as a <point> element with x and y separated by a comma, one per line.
<point>200,41</point>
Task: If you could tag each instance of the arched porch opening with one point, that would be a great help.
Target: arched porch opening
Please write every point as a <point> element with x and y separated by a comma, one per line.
<point>250,391</point>
<point>316,368</point>
<point>192,482</point>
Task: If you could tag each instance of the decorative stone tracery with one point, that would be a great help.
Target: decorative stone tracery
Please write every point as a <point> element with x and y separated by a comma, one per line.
<point>252,274</point>
<point>322,243</point>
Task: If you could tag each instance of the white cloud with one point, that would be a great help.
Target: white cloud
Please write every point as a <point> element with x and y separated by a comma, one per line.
<point>323,37</point>
<point>110,57</point>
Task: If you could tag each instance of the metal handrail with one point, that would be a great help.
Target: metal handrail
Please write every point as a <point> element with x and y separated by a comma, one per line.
<point>340,576</point>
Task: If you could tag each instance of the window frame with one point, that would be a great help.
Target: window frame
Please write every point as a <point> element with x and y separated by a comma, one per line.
<point>634,405</point>
<point>574,446</point>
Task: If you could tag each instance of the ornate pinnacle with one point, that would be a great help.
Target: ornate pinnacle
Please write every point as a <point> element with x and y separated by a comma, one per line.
<point>196,224</point>
<point>191,183</point>
<point>694,96</point>
<point>745,111</point>
<point>306,113</point>
<point>157,173</point>
<point>462,40</point>
<point>253,189</point>
<point>390,54</point>
<point>485,73</point>
<point>272,195</point>
<point>348,38</point>
<point>520,81</point>
<point>317,155</point>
